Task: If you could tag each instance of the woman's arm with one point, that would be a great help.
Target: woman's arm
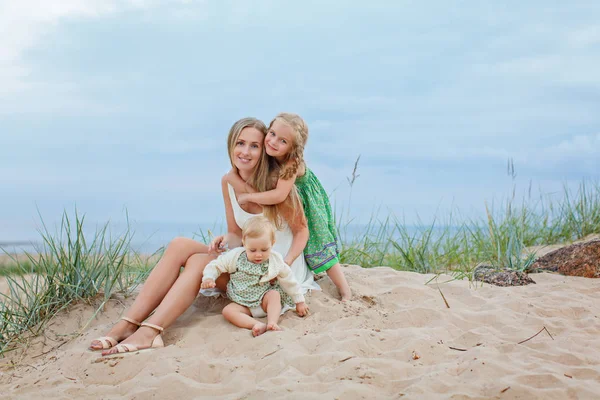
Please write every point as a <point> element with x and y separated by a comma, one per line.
<point>289,284</point>
<point>234,232</point>
<point>297,222</point>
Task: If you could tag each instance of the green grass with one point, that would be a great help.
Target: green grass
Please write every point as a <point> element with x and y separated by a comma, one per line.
<point>14,267</point>
<point>72,267</point>
<point>457,246</point>
<point>69,268</point>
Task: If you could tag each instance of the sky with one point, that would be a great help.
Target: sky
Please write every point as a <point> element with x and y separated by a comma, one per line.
<point>121,105</point>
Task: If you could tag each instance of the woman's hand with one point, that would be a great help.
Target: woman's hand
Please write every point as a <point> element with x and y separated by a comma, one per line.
<point>208,284</point>
<point>218,245</point>
<point>302,309</point>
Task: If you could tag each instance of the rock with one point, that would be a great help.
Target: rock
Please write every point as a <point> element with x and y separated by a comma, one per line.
<point>581,259</point>
<point>500,277</point>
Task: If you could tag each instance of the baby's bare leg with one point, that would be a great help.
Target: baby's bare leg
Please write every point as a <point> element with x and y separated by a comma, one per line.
<point>336,275</point>
<point>272,305</point>
<point>240,316</point>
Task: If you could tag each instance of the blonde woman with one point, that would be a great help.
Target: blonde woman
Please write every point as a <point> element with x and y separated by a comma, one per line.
<point>168,292</point>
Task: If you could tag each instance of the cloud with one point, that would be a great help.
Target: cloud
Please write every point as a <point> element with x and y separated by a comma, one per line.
<point>181,146</point>
<point>579,150</point>
<point>585,37</point>
<point>137,96</point>
<point>25,23</point>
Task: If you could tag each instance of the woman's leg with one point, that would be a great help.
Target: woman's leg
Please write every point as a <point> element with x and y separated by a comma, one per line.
<point>272,305</point>
<point>179,297</point>
<point>156,286</point>
<point>241,317</point>
<point>336,275</point>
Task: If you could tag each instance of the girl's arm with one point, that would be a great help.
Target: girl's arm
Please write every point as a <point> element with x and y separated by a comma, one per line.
<point>271,197</point>
<point>239,185</point>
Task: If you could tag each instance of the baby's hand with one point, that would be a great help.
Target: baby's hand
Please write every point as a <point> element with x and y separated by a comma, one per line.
<point>302,309</point>
<point>243,198</point>
<point>208,284</point>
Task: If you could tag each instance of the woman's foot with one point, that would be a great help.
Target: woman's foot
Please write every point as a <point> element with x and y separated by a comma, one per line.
<point>273,327</point>
<point>259,329</point>
<point>141,339</point>
<point>121,330</point>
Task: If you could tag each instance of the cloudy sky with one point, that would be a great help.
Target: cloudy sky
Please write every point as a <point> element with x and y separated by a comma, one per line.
<point>125,104</point>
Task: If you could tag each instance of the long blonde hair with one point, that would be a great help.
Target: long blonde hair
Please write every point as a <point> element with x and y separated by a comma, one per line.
<point>299,139</point>
<point>264,176</point>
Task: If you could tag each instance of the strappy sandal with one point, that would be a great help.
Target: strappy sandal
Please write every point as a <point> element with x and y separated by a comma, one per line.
<point>126,349</point>
<point>107,341</point>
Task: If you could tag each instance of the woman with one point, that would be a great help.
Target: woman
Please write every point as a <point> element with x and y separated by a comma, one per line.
<point>168,292</point>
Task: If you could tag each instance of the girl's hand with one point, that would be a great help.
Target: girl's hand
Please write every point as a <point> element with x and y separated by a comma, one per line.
<point>243,198</point>
<point>218,245</point>
<point>302,309</point>
<point>208,284</point>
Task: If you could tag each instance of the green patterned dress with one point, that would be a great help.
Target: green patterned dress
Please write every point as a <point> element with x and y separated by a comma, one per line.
<point>244,285</point>
<point>323,247</point>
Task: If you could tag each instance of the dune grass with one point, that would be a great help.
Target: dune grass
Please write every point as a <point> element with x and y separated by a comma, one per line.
<point>72,267</point>
<point>499,238</point>
<point>69,267</point>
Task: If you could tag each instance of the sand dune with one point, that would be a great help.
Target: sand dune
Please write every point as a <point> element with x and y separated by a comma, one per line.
<point>393,340</point>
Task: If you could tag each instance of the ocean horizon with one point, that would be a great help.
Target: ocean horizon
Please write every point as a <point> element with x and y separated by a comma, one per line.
<point>147,237</point>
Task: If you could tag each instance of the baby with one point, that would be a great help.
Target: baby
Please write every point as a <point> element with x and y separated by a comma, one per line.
<point>252,268</point>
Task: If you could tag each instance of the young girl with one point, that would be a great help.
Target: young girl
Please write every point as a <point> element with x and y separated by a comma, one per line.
<point>286,137</point>
<point>251,269</point>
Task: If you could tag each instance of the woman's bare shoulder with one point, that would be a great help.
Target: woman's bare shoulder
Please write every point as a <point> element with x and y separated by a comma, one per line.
<point>225,179</point>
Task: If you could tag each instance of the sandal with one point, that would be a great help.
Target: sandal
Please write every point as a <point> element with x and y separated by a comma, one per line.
<point>126,349</point>
<point>107,341</point>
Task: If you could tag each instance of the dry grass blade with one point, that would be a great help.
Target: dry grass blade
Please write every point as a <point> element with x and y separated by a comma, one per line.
<point>541,330</point>
<point>443,297</point>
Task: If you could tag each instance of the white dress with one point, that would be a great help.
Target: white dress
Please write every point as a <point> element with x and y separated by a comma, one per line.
<point>283,241</point>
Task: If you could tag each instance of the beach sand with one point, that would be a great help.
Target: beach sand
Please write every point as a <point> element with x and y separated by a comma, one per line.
<point>395,339</point>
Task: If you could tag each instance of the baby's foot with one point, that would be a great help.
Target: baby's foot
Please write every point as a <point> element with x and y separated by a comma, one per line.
<point>259,329</point>
<point>273,327</point>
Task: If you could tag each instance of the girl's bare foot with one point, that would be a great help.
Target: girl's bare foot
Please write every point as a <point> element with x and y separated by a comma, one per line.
<point>121,330</point>
<point>346,294</point>
<point>336,275</point>
<point>273,327</point>
<point>142,339</point>
<point>259,329</point>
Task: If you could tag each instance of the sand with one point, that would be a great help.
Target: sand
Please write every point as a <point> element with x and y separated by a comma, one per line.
<point>395,339</point>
